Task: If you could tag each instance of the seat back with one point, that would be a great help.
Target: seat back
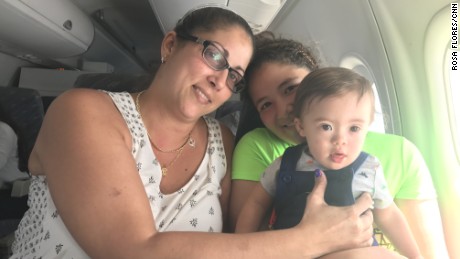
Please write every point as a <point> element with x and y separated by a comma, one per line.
<point>22,109</point>
<point>249,119</point>
<point>115,82</point>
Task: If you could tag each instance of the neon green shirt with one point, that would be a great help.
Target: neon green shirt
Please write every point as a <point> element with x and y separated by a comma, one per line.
<point>404,168</point>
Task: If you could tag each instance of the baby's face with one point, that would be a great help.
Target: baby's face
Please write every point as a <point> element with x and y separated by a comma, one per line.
<point>335,128</point>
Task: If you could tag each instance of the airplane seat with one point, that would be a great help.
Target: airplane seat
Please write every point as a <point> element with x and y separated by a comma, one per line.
<point>228,113</point>
<point>22,109</point>
<point>249,119</point>
<point>115,82</point>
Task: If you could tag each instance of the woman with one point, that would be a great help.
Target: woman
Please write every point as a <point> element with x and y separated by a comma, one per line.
<point>144,175</point>
<point>278,66</point>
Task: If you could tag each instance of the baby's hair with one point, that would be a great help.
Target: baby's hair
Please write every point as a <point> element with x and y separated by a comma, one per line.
<point>330,81</point>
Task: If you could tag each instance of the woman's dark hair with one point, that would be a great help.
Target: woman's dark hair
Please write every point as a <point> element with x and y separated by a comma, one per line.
<point>211,18</point>
<point>330,81</point>
<point>270,49</point>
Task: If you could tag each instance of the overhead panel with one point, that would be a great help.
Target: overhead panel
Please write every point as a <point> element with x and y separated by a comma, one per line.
<point>51,28</point>
<point>168,12</point>
<point>258,13</point>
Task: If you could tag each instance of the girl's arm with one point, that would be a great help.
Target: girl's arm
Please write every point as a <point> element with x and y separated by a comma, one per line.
<point>393,224</point>
<point>241,189</point>
<point>425,222</point>
<point>225,184</point>
<point>254,210</point>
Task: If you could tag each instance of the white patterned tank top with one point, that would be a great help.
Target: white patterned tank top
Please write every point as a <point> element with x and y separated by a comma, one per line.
<point>194,207</point>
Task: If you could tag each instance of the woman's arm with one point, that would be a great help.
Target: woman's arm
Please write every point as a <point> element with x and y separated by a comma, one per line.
<point>425,222</point>
<point>84,148</point>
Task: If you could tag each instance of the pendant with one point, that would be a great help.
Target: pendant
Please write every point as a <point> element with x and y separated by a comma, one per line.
<point>191,142</point>
<point>164,171</point>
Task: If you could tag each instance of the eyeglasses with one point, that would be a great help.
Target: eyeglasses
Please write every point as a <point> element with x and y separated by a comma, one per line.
<point>215,58</point>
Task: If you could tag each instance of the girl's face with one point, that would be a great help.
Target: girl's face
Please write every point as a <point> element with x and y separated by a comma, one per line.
<point>197,87</point>
<point>335,128</point>
<point>272,90</point>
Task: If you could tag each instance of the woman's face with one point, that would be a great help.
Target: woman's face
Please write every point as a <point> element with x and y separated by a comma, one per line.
<point>198,88</point>
<point>272,89</point>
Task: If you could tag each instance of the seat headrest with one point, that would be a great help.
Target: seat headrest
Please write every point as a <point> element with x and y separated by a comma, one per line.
<point>22,109</point>
<point>249,119</point>
<point>114,82</point>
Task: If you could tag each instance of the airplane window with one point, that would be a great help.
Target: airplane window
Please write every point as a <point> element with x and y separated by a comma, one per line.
<point>358,66</point>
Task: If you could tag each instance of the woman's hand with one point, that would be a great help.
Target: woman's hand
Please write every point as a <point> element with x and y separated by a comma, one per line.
<point>336,228</point>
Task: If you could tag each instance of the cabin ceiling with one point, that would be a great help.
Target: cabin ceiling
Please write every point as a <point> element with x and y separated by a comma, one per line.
<point>140,25</point>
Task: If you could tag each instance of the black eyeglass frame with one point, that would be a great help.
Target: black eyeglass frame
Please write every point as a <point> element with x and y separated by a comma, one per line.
<point>239,86</point>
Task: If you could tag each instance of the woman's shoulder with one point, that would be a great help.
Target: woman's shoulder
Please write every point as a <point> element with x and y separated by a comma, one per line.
<point>82,95</point>
<point>80,108</point>
<point>78,101</point>
<point>216,128</point>
<point>211,123</point>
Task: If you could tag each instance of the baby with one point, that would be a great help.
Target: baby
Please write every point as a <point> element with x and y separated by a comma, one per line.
<point>333,110</point>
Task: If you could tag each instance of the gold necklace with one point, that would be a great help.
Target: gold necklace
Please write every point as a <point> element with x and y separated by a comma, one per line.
<point>164,169</point>
<point>189,140</point>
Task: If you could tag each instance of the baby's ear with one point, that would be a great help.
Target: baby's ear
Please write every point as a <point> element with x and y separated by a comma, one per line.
<point>299,127</point>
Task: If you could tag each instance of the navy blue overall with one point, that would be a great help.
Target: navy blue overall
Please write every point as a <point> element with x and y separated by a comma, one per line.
<point>292,188</point>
